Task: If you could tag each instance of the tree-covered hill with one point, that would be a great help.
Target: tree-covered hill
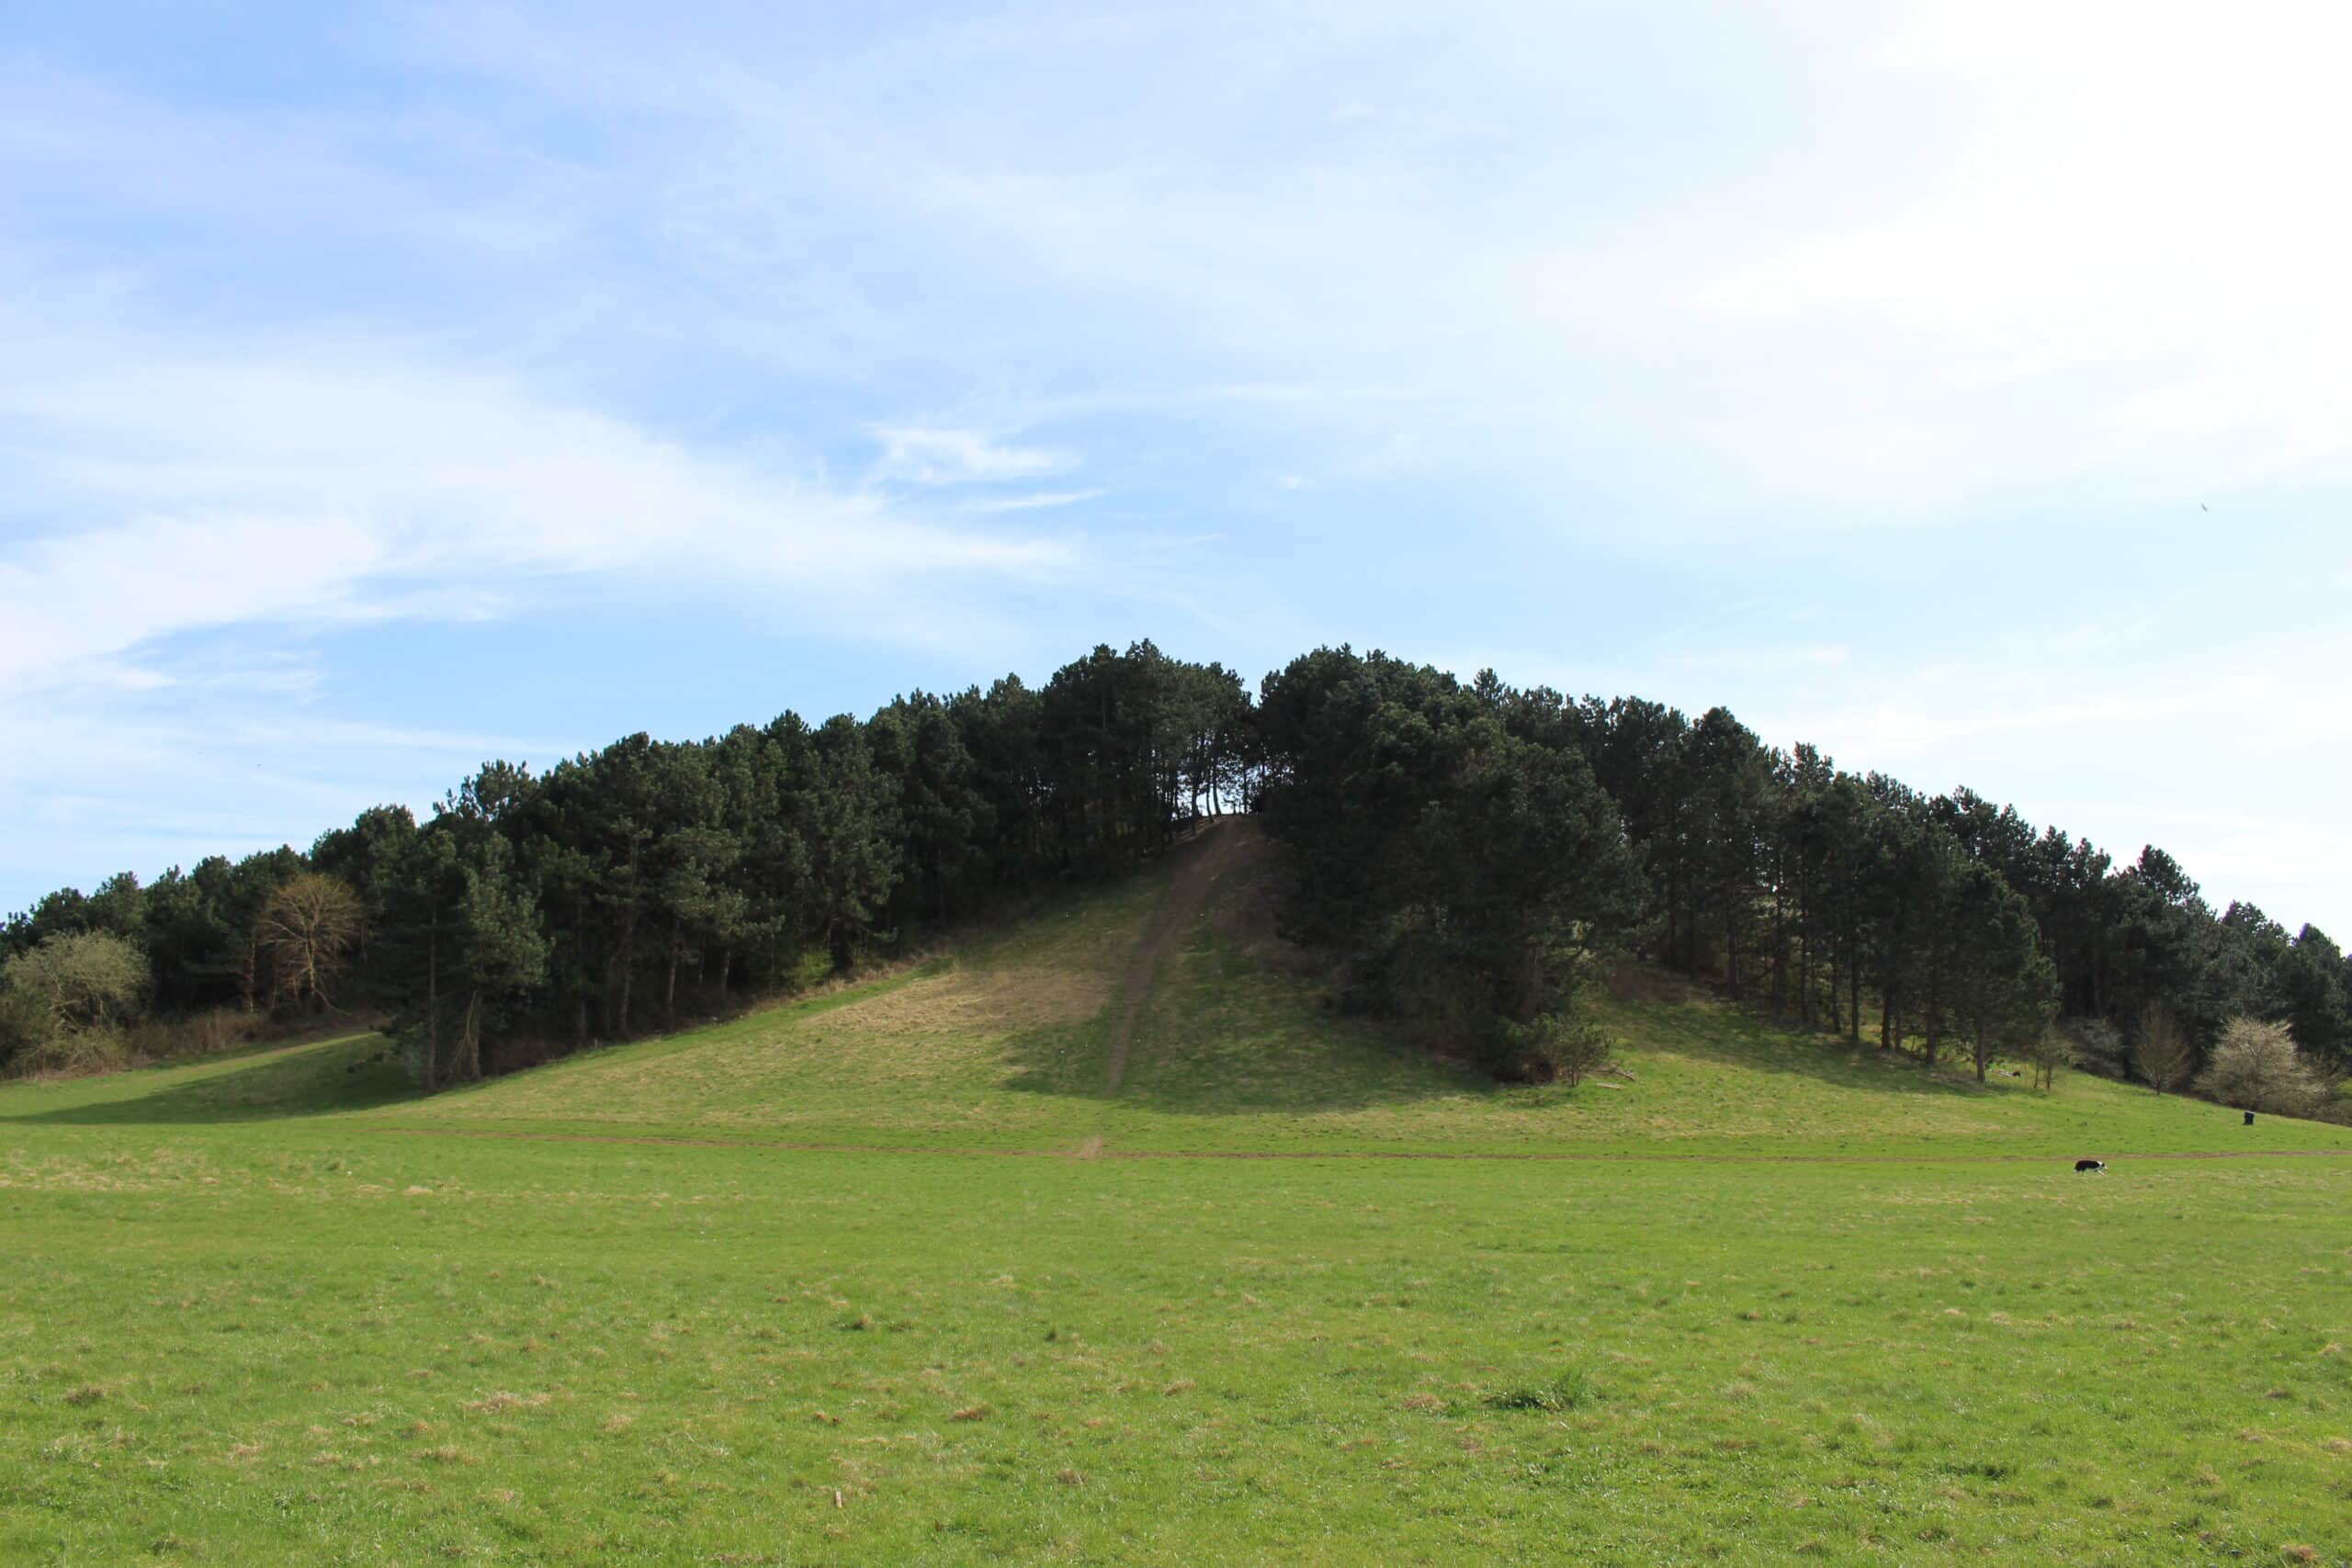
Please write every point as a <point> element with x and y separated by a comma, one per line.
<point>1469,858</point>
<point>1161,1015</point>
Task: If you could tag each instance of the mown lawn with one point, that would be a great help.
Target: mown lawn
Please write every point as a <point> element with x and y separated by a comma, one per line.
<point>331,1345</point>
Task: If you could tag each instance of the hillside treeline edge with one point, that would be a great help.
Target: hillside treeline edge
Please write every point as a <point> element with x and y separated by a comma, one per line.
<point>1474,855</point>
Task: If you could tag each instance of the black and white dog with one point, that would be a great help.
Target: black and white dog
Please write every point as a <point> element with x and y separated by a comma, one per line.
<point>2094,1164</point>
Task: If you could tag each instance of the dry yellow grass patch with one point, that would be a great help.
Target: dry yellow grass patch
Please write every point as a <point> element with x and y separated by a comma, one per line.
<point>943,1035</point>
<point>497,1403</point>
<point>964,1002</point>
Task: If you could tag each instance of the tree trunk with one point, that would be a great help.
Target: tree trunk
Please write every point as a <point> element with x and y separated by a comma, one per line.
<point>1853,996</point>
<point>1804,974</point>
<point>1730,942</point>
<point>470,1060</point>
<point>628,968</point>
<point>433,1004</point>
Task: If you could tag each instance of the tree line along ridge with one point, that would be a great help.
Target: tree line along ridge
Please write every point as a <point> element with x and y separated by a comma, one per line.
<point>1473,856</point>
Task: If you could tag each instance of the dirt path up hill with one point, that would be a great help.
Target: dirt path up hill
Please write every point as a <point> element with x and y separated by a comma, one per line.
<point>1196,866</point>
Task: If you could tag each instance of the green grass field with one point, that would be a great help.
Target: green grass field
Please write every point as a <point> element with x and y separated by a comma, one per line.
<point>273,1308</point>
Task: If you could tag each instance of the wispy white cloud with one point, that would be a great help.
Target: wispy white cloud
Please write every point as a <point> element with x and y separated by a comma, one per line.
<point>1765,659</point>
<point>347,482</point>
<point>166,481</point>
<point>933,457</point>
<point>1960,249</point>
<point>1034,500</point>
<point>81,596</point>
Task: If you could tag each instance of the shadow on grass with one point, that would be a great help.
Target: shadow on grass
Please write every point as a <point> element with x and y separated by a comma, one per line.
<point>1234,1025</point>
<point>1714,1029</point>
<point>353,1074</point>
<point>1263,1067</point>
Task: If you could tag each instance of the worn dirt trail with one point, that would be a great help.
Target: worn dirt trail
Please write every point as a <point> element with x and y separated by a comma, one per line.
<point>1092,1149</point>
<point>1197,865</point>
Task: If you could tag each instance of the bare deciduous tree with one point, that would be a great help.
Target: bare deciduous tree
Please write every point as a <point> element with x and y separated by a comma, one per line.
<point>303,932</point>
<point>2161,1053</point>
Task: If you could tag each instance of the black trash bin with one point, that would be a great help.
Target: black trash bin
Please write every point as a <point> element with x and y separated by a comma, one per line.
<point>2249,1118</point>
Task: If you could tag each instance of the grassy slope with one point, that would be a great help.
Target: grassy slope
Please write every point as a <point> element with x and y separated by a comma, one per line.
<point>252,1318</point>
<point>1005,1045</point>
<point>325,1077</point>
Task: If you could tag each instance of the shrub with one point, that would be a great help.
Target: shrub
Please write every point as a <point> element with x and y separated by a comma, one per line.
<point>2256,1067</point>
<point>93,979</point>
<point>205,1033</point>
<point>809,968</point>
<point>75,1051</point>
<point>67,1000</point>
<point>25,1025</point>
<point>1551,1047</point>
<point>2050,1051</point>
<point>215,1030</point>
<point>2099,1047</point>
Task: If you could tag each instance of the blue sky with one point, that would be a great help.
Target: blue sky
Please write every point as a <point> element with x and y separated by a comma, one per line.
<point>1967,388</point>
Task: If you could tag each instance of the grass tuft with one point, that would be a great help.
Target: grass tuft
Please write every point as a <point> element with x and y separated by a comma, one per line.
<point>1567,1390</point>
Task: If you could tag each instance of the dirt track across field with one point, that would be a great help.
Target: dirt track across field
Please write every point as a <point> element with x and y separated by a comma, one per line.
<point>1094,1150</point>
<point>1197,865</point>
